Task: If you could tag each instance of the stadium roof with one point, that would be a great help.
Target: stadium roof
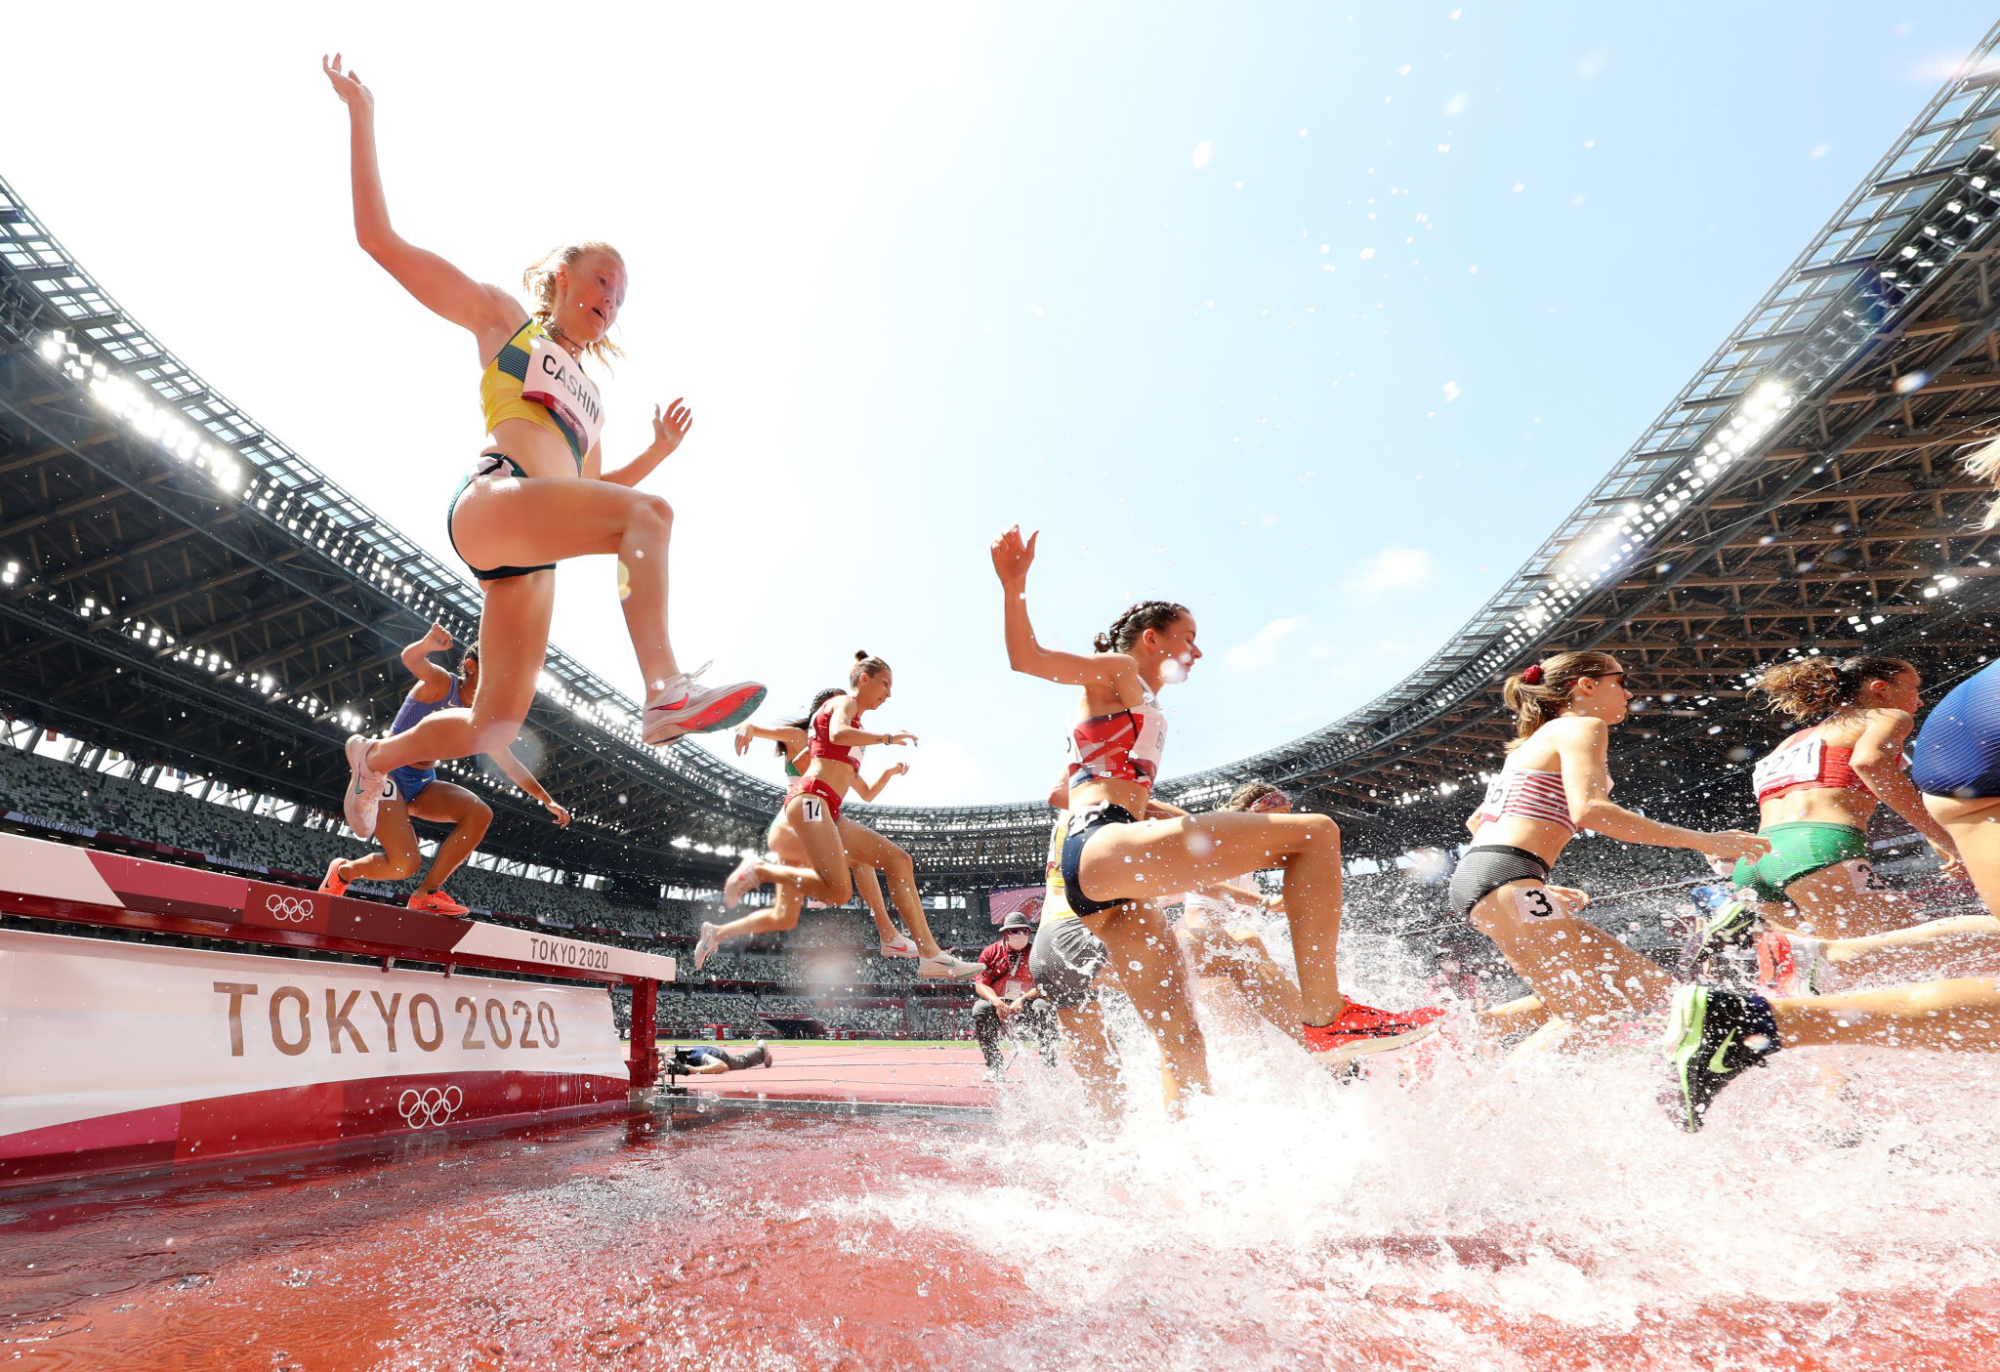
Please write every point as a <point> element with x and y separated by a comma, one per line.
<point>189,587</point>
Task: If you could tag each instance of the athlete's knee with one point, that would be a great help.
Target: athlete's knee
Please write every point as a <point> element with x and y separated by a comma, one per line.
<point>654,512</point>
<point>896,863</point>
<point>840,888</point>
<point>478,818</point>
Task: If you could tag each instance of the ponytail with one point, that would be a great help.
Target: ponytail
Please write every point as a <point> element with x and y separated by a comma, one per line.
<point>1127,628</point>
<point>1541,691</point>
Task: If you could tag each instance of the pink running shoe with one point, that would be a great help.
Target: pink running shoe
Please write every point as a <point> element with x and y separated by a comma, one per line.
<point>333,885</point>
<point>364,788</point>
<point>682,707</point>
<point>740,882</point>
<point>438,903</point>
<point>1362,1029</point>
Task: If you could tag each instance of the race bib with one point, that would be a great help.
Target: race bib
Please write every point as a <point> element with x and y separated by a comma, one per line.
<point>555,381</point>
<point>1535,902</point>
<point>1791,766</point>
<point>814,809</point>
<point>1863,877</point>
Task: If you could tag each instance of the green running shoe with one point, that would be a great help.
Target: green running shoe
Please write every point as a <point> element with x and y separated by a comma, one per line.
<point>1712,1037</point>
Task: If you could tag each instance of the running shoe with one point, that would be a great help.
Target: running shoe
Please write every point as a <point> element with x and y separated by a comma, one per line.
<point>1362,1029</point>
<point>705,946</point>
<point>364,788</point>
<point>1712,1037</point>
<point>901,946</point>
<point>1722,946</point>
<point>768,1057</point>
<point>682,707</point>
<point>333,885</point>
<point>739,882</point>
<point>946,967</point>
<point>438,903</point>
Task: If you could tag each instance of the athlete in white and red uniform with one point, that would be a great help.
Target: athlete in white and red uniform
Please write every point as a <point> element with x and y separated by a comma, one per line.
<point>1124,853</point>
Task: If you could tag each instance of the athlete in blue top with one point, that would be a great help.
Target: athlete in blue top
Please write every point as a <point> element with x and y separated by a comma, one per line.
<point>414,792</point>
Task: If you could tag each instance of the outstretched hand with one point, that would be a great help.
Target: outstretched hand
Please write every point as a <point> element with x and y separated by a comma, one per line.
<point>897,769</point>
<point>1736,845</point>
<point>347,85</point>
<point>557,813</point>
<point>743,737</point>
<point>1013,555</point>
<point>670,427</point>
<point>898,740</point>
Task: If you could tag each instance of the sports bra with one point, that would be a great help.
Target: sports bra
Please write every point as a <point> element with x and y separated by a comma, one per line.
<point>822,744</point>
<point>1806,762</point>
<point>1124,745</point>
<point>534,378</point>
<point>1529,794</point>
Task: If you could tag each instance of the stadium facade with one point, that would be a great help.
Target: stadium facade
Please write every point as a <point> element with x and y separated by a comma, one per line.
<point>190,598</point>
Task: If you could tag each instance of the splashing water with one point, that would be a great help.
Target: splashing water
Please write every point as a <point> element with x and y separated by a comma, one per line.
<point>1839,1212</point>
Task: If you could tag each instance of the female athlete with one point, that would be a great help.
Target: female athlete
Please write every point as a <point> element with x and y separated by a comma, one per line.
<point>418,794</point>
<point>1120,864</point>
<point>538,492</point>
<point>867,851</point>
<point>1555,783</point>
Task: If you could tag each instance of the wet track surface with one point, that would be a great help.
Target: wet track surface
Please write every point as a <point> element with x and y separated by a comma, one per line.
<point>1547,1220</point>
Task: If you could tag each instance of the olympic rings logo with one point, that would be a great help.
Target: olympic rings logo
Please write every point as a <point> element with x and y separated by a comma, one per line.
<point>291,909</point>
<point>430,1106</point>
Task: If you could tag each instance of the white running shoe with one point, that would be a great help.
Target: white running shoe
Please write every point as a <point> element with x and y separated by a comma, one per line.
<point>946,967</point>
<point>901,946</point>
<point>682,707</point>
<point>364,788</point>
<point>740,881</point>
<point>705,946</point>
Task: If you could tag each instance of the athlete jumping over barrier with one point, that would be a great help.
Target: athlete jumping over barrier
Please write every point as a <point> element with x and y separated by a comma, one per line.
<point>416,793</point>
<point>538,492</point>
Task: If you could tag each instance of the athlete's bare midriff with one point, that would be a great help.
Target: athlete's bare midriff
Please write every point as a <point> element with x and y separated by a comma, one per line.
<point>540,453</point>
<point>1128,794</point>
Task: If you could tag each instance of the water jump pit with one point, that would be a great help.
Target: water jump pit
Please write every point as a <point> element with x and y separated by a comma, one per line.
<point>880,1206</point>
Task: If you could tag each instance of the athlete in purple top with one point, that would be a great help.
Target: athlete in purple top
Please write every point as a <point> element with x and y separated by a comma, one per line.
<point>414,792</point>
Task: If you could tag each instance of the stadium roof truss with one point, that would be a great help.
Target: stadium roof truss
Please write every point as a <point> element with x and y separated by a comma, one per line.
<point>180,582</point>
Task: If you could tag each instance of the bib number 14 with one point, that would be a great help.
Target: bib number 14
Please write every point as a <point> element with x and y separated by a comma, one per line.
<point>815,809</point>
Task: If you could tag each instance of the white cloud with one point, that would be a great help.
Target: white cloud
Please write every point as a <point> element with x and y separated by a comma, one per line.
<point>1261,651</point>
<point>1394,569</point>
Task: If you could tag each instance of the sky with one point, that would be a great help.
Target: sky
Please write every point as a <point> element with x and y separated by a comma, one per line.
<point>1315,318</point>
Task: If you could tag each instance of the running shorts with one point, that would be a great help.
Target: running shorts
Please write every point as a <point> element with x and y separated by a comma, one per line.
<point>1798,850</point>
<point>1065,960</point>
<point>412,780</point>
<point>1957,752</point>
<point>489,464</point>
<point>815,790</point>
<point>1082,824</point>
<point>1484,870</point>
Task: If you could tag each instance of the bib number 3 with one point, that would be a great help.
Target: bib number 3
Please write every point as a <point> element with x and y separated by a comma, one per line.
<point>1865,879</point>
<point>1535,902</point>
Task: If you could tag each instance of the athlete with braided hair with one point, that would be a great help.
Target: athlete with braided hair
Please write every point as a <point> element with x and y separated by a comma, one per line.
<point>1126,854</point>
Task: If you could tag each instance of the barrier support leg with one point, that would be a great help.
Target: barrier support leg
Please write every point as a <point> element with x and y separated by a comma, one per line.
<point>644,1063</point>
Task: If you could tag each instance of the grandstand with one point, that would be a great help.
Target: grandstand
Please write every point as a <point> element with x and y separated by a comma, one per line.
<point>192,616</point>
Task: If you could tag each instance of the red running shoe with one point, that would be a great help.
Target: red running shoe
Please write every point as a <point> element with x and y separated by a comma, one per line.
<point>1362,1029</point>
<point>438,903</point>
<point>333,885</point>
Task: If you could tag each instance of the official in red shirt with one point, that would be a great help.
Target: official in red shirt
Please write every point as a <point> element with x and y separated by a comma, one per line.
<point>1008,996</point>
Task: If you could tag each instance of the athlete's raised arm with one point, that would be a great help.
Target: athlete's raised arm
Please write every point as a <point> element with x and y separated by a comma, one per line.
<point>488,311</point>
<point>1012,557</point>
<point>433,681</point>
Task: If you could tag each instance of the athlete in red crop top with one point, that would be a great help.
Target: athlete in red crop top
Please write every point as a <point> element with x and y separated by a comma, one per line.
<point>869,854</point>
<point>812,814</point>
<point>1125,854</point>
